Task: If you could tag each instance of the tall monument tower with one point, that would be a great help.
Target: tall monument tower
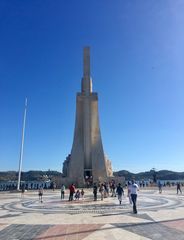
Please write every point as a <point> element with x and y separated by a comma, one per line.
<point>87,161</point>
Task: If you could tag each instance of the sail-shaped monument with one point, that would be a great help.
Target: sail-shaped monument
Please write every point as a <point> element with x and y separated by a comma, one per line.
<point>87,162</point>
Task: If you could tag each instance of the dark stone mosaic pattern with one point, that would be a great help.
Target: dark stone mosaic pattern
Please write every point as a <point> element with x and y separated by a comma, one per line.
<point>153,230</point>
<point>22,231</point>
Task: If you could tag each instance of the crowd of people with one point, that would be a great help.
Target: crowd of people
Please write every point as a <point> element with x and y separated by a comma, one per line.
<point>105,190</point>
<point>178,187</point>
<point>112,189</point>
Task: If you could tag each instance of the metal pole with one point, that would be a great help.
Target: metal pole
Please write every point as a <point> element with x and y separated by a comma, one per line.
<point>22,145</point>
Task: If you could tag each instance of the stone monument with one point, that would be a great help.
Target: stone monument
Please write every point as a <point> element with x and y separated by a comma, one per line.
<point>87,162</point>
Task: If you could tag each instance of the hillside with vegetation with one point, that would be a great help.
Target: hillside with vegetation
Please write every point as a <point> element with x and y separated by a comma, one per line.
<point>54,175</point>
<point>161,175</point>
<point>30,175</point>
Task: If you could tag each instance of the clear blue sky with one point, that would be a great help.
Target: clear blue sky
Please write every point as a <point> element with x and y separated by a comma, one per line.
<point>137,57</point>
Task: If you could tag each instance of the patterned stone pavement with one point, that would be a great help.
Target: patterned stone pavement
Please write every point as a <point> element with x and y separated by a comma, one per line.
<point>160,216</point>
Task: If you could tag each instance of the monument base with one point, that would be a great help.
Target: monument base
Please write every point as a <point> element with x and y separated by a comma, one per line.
<point>81,183</point>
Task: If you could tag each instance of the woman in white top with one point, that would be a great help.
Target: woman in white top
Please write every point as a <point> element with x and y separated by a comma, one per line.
<point>129,192</point>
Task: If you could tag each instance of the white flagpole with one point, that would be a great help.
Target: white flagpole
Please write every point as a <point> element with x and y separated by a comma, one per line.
<point>22,145</point>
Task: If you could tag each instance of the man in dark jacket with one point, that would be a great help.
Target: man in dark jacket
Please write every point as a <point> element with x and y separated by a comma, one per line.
<point>120,192</point>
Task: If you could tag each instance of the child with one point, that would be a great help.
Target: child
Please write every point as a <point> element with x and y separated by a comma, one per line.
<point>77,195</point>
<point>82,193</point>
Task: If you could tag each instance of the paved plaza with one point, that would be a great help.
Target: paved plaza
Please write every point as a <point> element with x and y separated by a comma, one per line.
<point>160,216</point>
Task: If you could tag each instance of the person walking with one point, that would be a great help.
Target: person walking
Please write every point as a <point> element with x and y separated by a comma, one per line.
<point>62,191</point>
<point>40,194</point>
<point>129,192</point>
<point>82,194</point>
<point>160,187</point>
<point>113,189</point>
<point>101,190</point>
<point>22,191</point>
<point>120,193</point>
<point>178,187</point>
<point>72,191</point>
<point>134,189</point>
<point>77,195</point>
<point>95,189</point>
